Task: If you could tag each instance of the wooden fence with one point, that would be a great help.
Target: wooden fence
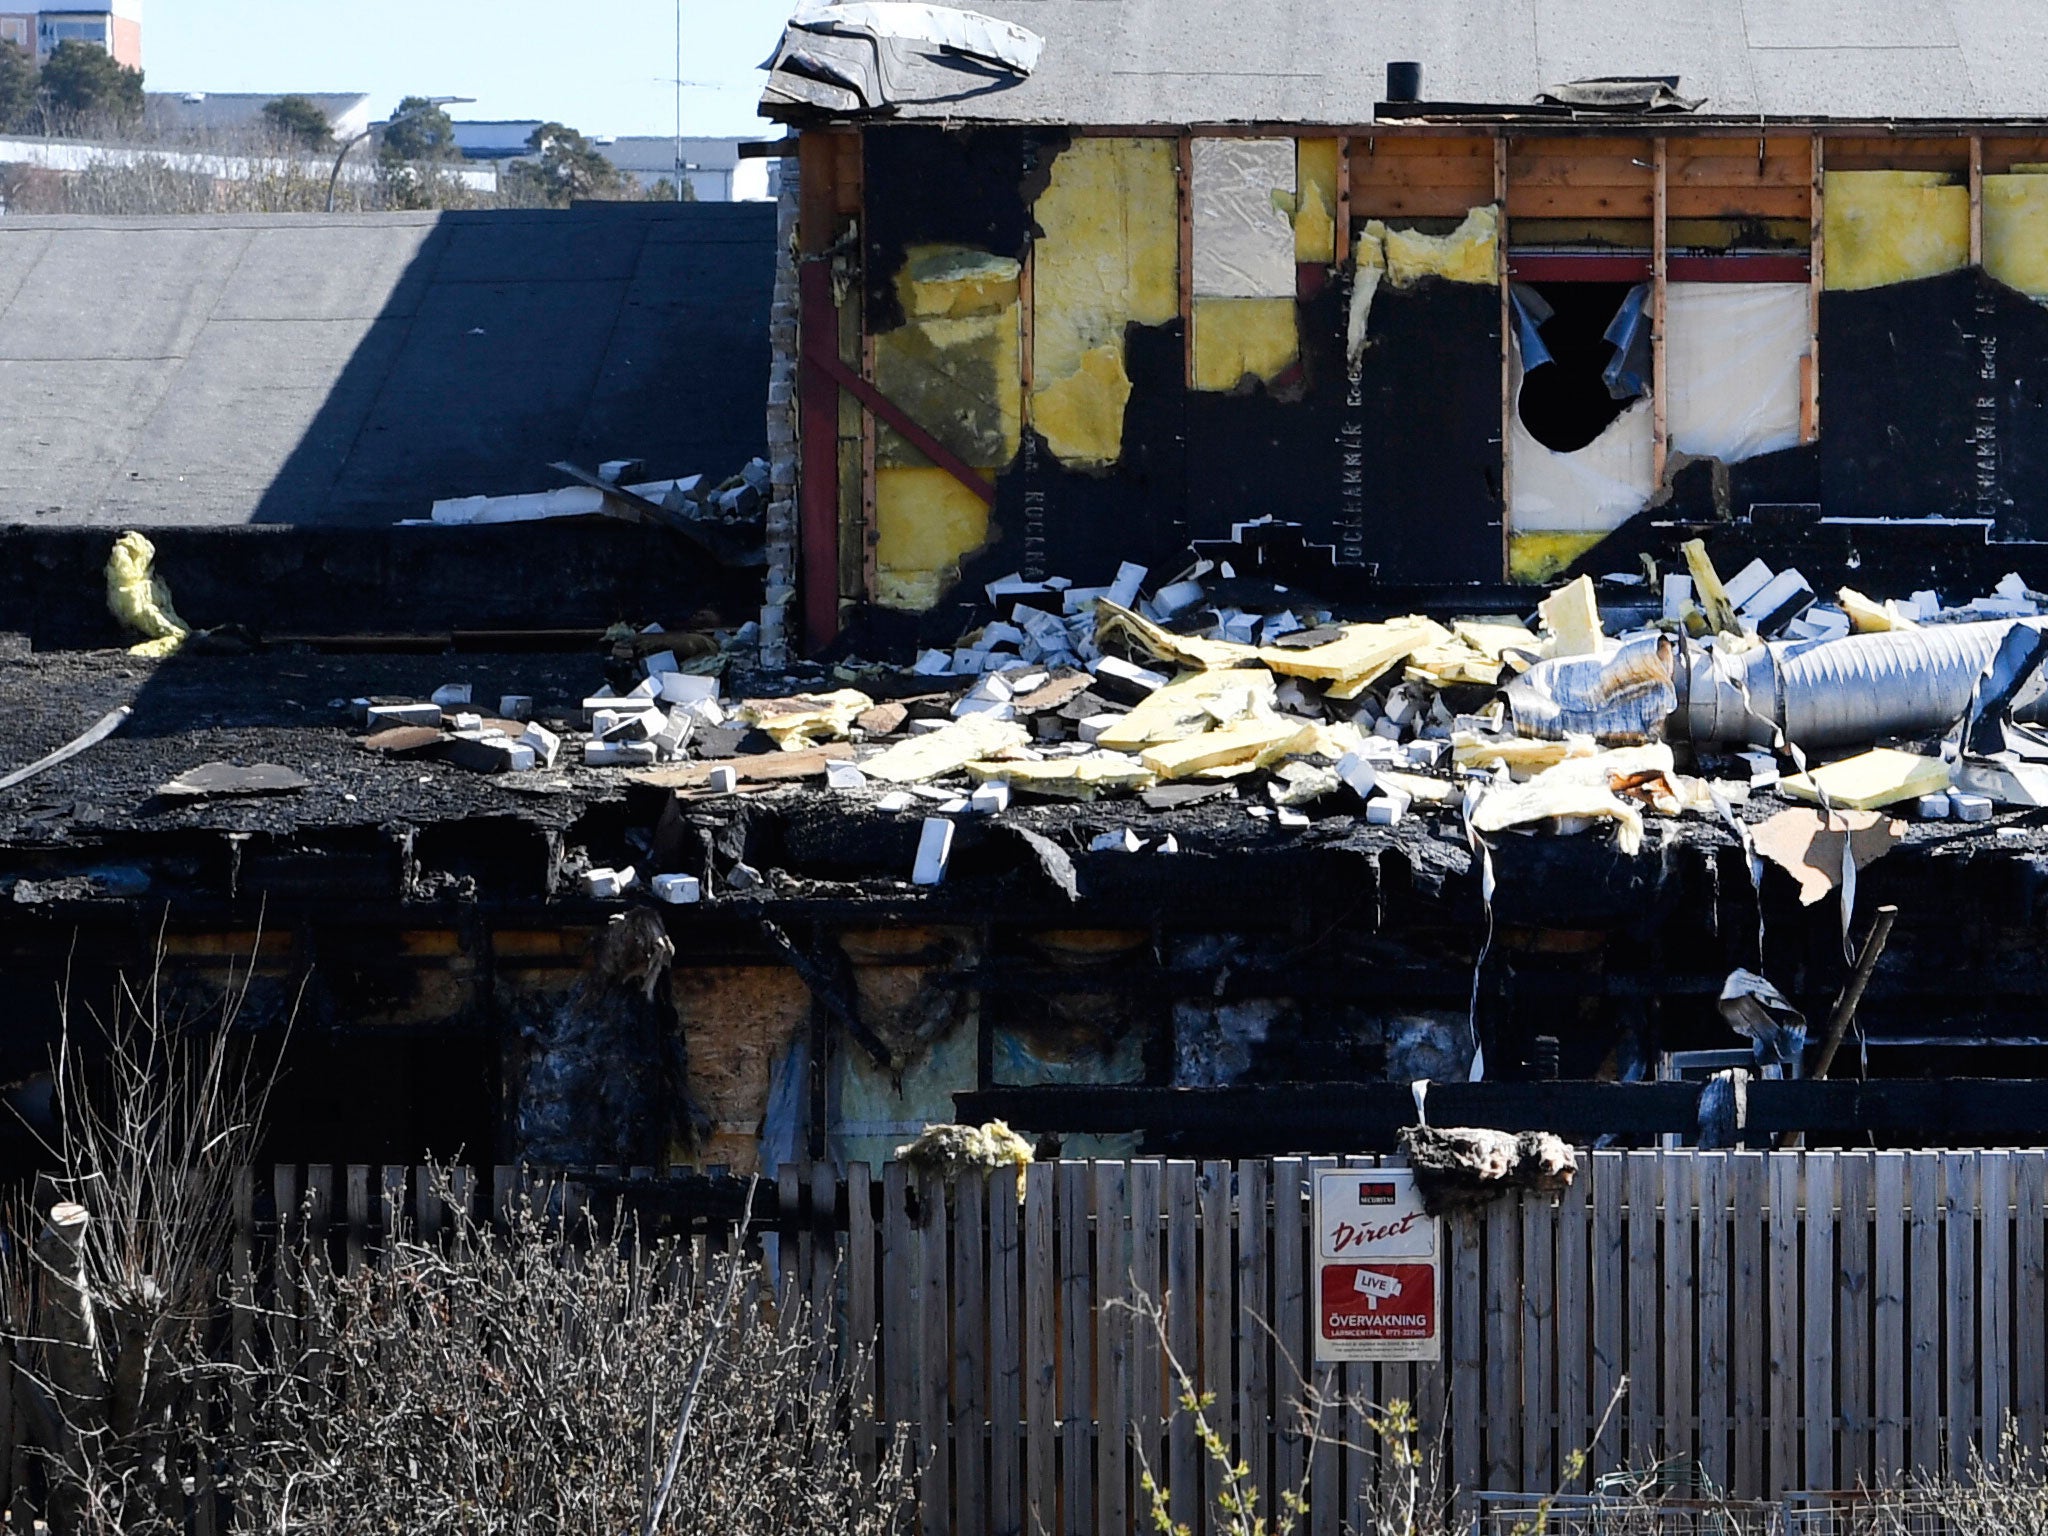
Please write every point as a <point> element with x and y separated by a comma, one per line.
<point>1784,1321</point>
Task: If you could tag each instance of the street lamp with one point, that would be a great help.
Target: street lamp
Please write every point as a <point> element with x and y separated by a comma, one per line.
<point>429,104</point>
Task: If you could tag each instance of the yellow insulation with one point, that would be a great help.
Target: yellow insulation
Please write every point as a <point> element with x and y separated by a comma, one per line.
<point>2016,232</point>
<point>141,599</point>
<point>1236,339</point>
<point>1469,254</point>
<point>956,363</point>
<point>1893,227</point>
<point>1315,214</point>
<point>928,522</point>
<point>1534,558</point>
<point>1108,258</point>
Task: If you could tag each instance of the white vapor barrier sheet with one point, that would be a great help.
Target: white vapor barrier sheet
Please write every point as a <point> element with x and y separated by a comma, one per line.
<point>1244,234</point>
<point>1733,366</point>
<point>1594,490</point>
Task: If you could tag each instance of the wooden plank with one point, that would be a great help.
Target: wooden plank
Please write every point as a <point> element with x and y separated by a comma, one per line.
<point>1710,1201</point>
<point>391,1214</point>
<point>1148,1293</point>
<point>902,1293</point>
<point>1888,1347</point>
<point>934,1373</point>
<point>1006,1360</point>
<point>827,1262</point>
<point>1574,1320</point>
<point>1539,1307</point>
<point>1219,1315</point>
<point>1254,1343</point>
<point>1788,203</point>
<point>242,1321</point>
<point>1645,1398</point>
<point>1041,1338</point>
<point>1503,1345</point>
<point>970,1355</point>
<point>1817,1362</point>
<point>1290,1329</point>
<point>1370,202</point>
<point>1809,395</point>
<point>1747,1340</point>
<point>2030,1295</point>
<point>1112,1348</point>
<point>786,1252</point>
<point>1343,246</point>
<point>1660,268</point>
<point>1976,201</point>
<point>1784,1470</point>
<point>860,1300</point>
<point>1959,1238</point>
<point>1854,1174</point>
<point>1468,174</point>
<point>1183,1338</point>
<point>1608,1261</point>
<point>1994,1292</point>
<point>1077,1352</point>
<point>1849,152</point>
<point>1186,149</point>
<point>1680,1289</point>
<point>1325,1518</point>
<point>1923,1277</point>
<point>1787,166</point>
<point>1504,234</point>
<point>1630,169</point>
<point>358,1212</point>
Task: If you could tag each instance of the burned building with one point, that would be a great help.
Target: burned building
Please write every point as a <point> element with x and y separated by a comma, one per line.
<point>1170,425</point>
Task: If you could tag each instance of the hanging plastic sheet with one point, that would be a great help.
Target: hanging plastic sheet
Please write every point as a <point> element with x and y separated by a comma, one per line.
<point>1243,200</point>
<point>1628,374</point>
<point>1531,310</point>
<point>1732,366</point>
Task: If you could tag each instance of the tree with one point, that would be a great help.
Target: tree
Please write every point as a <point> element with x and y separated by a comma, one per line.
<point>84,84</point>
<point>566,166</point>
<point>298,121</point>
<point>17,88</point>
<point>418,132</point>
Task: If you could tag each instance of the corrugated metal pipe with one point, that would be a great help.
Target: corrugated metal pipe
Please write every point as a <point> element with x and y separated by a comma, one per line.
<point>1833,693</point>
<point>1820,693</point>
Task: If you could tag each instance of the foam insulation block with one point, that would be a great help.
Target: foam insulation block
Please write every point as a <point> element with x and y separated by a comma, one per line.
<point>1572,617</point>
<point>2016,232</point>
<point>1236,339</point>
<point>1243,200</point>
<point>956,364</point>
<point>1893,226</point>
<point>1468,254</point>
<point>1591,491</point>
<point>1108,257</point>
<point>1733,353</point>
<point>1871,780</point>
<point>928,522</point>
<point>1315,212</point>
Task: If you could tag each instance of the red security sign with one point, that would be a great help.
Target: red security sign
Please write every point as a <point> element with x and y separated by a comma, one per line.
<point>1378,1267</point>
<point>1378,1302</point>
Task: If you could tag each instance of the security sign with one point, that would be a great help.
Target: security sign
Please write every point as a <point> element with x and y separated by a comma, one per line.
<point>1378,1268</point>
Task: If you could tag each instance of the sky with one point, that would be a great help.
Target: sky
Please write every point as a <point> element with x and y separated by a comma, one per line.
<point>601,66</point>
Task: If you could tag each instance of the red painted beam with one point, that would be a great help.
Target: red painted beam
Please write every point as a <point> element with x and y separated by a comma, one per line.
<point>893,415</point>
<point>1620,267</point>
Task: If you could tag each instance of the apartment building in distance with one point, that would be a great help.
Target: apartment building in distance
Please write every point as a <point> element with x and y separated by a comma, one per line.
<point>115,25</point>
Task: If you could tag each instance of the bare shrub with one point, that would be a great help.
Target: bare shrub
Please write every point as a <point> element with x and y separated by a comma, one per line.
<point>115,1295</point>
<point>529,1381</point>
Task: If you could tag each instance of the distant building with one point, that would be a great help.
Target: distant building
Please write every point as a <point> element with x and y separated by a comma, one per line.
<point>199,114</point>
<point>498,140</point>
<point>115,25</point>
<point>713,166</point>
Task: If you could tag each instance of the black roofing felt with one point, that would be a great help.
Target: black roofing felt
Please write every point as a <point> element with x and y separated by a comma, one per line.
<point>351,370</point>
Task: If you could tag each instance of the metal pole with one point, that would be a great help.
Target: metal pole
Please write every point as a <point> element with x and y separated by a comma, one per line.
<point>331,180</point>
<point>679,100</point>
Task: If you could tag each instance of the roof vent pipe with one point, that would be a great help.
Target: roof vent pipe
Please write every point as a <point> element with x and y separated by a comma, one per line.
<point>1404,81</point>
